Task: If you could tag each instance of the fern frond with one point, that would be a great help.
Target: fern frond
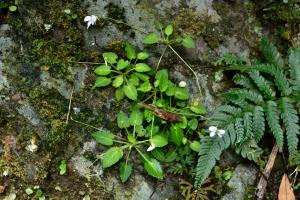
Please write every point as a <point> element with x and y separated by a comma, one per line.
<point>239,129</point>
<point>273,122</point>
<point>271,53</point>
<point>244,81</point>
<point>249,150</point>
<point>209,154</point>
<point>258,123</point>
<point>290,120</point>
<point>262,84</point>
<point>248,124</point>
<point>239,96</point>
<point>294,67</point>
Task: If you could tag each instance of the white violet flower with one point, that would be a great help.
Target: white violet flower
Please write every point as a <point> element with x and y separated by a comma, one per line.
<point>182,84</point>
<point>151,147</point>
<point>215,131</point>
<point>91,20</point>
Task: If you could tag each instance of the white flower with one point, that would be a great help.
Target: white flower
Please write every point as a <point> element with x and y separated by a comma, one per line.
<point>182,84</point>
<point>32,148</point>
<point>47,26</point>
<point>220,132</point>
<point>5,173</point>
<point>151,147</point>
<point>215,131</point>
<point>91,20</point>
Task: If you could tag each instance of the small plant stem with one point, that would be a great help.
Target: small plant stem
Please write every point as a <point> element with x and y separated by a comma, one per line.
<point>161,56</point>
<point>88,63</point>
<point>134,131</point>
<point>88,125</point>
<point>197,80</point>
<point>143,141</point>
<point>148,97</point>
<point>70,103</point>
<point>152,124</point>
<point>121,22</point>
<point>128,155</point>
<point>141,154</point>
<point>121,142</point>
<point>93,127</point>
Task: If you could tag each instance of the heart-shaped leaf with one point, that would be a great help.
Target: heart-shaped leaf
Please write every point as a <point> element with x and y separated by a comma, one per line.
<point>110,57</point>
<point>151,38</point>
<point>169,30</point>
<point>112,156</point>
<point>145,87</point>
<point>122,64</point>
<point>104,137</point>
<point>153,168</point>
<point>130,51</point>
<point>102,82</point>
<point>142,56</point>
<point>122,120</point>
<point>159,140</point>
<point>130,91</point>
<point>125,171</point>
<point>181,93</point>
<point>195,146</point>
<point>188,42</point>
<point>103,70</point>
<point>136,117</point>
<point>142,67</point>
<point>118,81</point>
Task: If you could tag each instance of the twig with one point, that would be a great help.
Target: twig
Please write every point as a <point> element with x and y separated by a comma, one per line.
<point>262,184</point>
<point>70,102</point>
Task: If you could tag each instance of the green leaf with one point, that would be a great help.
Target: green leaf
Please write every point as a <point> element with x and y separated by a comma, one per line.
<point>142,76</point>
<point>145,87</point>
<point>153,168</point>
<point>188,42</point>
<point>176,134</point>
<point>169,30</point>
<point>181,93</point>
<point>142,56</point>
<point>158,154</point>
<point>151,38</point>
<point>112,156</point>
<point>103,70</point>
<point>130,91</point>
<point>102,82</point>
<point>62,167</point>
<point>159,140</point>
<point>104,137</point>
<point>118,81</point>
<point>140,131</point>
<point>183,123</point>
<point>110,57</point>
<point>171,156</point>
<point>130,51</point>
<point>122,64</point>
<point>195,146</point>
<point>122,120</point>
<point>163,80</point>
<point>198,109</point>
<point>171,90</point>
<point>136,117</point>
<point>12,8</point>
<point>193,124</point>
<point>119,94</point>
<point>142,67</point>
<point>133,80</point>
<point>158,25</point>
<point>125,171</point>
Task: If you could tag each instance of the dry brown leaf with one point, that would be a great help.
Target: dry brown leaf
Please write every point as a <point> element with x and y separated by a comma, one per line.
<point>285,189</point>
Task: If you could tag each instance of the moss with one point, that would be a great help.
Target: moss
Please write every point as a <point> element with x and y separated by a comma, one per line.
<point>187,22</point>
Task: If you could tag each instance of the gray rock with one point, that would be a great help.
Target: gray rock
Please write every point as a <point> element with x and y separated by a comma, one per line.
<point>243,177</point>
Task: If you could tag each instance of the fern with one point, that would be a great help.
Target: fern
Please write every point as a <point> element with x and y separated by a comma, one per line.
<point>273,122</point>
<point>268,96</point>
<point>290,120</point>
